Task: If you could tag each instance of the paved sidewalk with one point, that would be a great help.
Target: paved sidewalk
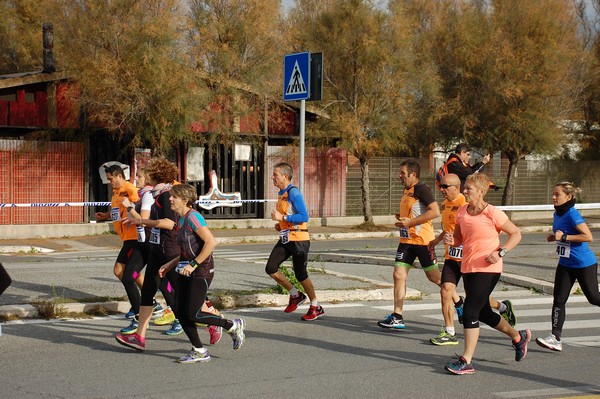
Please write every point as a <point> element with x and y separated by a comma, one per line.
<point>334,284</point>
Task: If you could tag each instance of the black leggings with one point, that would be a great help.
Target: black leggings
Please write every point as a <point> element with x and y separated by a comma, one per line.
<point>189,296</point>
<point>152,282</point>
<point>133,266</point>
<point>5,280</point>
<point>478,288</point>
<point>564,279</point>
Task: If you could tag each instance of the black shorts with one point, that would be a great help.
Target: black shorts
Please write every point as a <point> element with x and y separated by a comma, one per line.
<point>451,272</point>
<point>127,250</point>
<point>298,250</point>
<point>407,253</point>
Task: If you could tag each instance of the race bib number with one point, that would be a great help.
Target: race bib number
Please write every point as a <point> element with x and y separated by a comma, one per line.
<point>181,265</point>
<point>141,233</point>
<point>404,233</point>
<point>115,214</point>
<point>455,252</point>
<point>563,249</point>
<point>284,236</point>
<point>155,235</point>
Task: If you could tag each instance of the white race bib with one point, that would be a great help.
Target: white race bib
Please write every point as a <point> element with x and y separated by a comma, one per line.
<point>141,233</point>
<point>181,265</point>
<point>284,236</point>
<point>115,214</point>
<point>455,252</point>
<point>563,249</point>
<point>404,232</point>
<point>154,235</point>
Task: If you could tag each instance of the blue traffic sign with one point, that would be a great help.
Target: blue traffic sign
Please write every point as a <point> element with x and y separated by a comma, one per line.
<point>296,77</point>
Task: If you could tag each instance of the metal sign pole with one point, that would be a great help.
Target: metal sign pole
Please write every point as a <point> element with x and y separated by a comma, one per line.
<point>302,124</point>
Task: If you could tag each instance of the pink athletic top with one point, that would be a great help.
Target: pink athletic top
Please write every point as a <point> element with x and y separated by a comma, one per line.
<point>481,237</point>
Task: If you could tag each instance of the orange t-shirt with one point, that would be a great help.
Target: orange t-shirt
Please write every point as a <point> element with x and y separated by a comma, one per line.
<point>413,204</point>
<point>119,212</point>
<point>449,210</point>
<point>480,237</point>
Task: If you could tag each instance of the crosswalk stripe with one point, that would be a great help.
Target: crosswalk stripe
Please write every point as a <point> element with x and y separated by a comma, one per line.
<point>526,317</point>
<point>555,391</point>
<point>217,252</point>
<point>546,300</point>
<point>301,307</point>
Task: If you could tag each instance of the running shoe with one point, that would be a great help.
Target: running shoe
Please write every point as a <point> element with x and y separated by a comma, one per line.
<point>459,309</point>
<point>444,339</point>
<point>314,312</point>
<point>194,356</point>
<point>550,342</point>
<point>175,329</point>
<point>237,333</point>
<point>129,315</point>
<point>132,341</point>
<point>167,318</point>
<point>157,310</point>
<point>509,313</point>
<point>460,367</point>
<point>391,321</point>
<point>521,346</point>
<point>295,301</point>
<point>131,328</point>
<point>216,333</point>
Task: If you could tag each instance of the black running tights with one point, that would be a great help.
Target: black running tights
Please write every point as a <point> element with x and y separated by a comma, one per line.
<point>5,280</point>
<point>564,279</point>
<point>189,296</point>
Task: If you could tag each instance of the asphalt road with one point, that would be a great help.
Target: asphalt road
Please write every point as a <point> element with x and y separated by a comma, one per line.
<point>240,267</point>
<point>342,355</point>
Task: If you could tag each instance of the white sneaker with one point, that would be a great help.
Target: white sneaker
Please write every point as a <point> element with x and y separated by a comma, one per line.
<point>550,342</point>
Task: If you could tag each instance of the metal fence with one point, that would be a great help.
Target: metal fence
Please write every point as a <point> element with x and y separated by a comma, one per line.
<point>31,172</point>
<point>533,184</point>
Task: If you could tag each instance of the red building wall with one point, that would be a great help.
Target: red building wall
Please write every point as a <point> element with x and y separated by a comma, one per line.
<point>33,172</point>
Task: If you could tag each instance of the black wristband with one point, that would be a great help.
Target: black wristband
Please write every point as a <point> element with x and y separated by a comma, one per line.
<point>129,208</point>
<point>563,238</point>
<point>194,264</point>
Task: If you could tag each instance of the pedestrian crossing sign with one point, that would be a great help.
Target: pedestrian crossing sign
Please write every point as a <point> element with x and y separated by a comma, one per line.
<point>296,81</point>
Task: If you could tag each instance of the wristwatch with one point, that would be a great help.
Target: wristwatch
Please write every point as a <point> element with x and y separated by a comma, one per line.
<point>563,238</point>
<point>129,208</point>
<point>502,252</point>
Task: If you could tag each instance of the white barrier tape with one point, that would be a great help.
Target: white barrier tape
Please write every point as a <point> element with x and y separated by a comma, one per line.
<point>55,204</point>
<point>595,205</point>
<point>544,207</point>
<point>43,205</point>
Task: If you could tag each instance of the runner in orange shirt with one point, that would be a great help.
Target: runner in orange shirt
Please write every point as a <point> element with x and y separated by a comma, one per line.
<point>130,260</point>
<point>417,208</point>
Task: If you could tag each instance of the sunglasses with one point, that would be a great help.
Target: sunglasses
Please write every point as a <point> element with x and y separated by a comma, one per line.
<point>445,186</point>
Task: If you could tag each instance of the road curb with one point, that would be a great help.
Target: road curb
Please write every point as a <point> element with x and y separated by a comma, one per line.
<point>225,301</point>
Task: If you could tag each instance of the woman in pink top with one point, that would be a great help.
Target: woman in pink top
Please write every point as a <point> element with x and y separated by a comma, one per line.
<point>478,227</point>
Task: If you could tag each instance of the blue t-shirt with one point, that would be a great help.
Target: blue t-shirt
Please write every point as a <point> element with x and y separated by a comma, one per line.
<point>572,254</point>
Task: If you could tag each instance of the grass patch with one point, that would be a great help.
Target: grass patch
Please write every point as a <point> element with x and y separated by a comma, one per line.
<point>290,276</point>
<point>370,227</point>
<point>223,293</point>
<point>101,299</point>
<point>9,317</point>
